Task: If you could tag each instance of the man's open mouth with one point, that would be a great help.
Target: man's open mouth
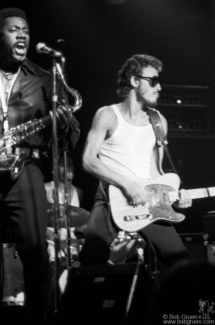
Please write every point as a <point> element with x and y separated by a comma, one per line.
<point>21,48</point>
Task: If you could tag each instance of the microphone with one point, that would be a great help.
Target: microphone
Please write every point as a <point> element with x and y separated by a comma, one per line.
<point>42,48</point>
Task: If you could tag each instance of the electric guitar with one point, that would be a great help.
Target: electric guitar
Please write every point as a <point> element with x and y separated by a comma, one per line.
<point>163,191</point>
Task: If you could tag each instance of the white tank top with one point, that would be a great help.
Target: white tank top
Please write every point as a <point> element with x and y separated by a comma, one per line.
<point>129,150</point>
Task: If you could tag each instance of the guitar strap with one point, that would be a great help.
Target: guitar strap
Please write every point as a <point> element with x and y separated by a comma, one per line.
<point>159,133</point>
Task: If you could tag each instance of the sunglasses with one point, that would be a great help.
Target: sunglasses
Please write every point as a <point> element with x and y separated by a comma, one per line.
<point>153,81</point>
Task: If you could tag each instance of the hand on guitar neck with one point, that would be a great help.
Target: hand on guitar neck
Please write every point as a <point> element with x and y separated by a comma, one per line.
<point>184,199</point>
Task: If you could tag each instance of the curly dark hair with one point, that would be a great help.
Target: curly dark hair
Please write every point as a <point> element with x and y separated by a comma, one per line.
<point>133,67</point>
<point>11,12</point>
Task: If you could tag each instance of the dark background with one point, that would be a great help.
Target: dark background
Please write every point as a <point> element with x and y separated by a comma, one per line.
<point>100,35</point>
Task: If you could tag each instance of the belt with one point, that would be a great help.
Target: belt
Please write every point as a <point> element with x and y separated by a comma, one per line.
<point>29,152</point>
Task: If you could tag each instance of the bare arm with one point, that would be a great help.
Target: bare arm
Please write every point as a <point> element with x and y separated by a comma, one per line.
<point>103,125</point>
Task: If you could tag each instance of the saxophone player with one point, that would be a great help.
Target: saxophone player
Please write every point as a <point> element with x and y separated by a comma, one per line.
<point>26,94</point>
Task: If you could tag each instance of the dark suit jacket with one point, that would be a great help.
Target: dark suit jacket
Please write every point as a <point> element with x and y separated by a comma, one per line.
<point>31,98</point>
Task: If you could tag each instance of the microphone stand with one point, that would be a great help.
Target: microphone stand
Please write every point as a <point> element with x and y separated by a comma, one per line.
<point>66,205</point>
<point>60,69</point>
<point>55,190</point>
<point>140,261</point>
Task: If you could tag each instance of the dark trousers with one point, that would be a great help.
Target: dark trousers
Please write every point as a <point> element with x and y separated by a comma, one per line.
<point>23,211</point>
<point>101,232</point>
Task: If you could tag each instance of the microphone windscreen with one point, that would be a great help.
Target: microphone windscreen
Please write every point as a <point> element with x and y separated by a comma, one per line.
<point>40,46</point>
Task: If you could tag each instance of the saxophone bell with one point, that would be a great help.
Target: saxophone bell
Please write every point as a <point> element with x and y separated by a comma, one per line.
<point>13,164</point>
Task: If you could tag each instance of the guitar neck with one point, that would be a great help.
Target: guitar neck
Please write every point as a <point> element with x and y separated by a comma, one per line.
<point>201,192</point>
<point>197,193</point>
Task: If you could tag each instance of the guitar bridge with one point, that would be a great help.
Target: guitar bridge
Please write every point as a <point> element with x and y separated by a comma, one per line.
<point>138,217</point>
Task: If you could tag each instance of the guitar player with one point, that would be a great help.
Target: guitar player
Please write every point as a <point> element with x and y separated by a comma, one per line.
<point>121,150</point>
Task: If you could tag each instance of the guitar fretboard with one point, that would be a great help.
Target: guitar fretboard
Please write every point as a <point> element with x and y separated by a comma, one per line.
<point>197,193</point>
<point>202,192</point>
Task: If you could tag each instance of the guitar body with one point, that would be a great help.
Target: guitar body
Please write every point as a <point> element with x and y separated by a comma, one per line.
<point>132,219</point>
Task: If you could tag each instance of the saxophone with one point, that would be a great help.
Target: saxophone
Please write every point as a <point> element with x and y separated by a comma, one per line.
<point>11,162</point>
<point>14,163</point>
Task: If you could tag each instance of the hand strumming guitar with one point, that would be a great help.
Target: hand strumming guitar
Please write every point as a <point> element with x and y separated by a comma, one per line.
<point>135,193</point>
